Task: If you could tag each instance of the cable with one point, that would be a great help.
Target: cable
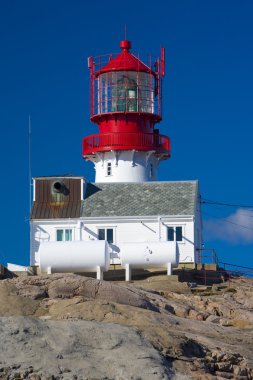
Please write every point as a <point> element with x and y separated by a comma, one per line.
<point>208,201</point>
<point>228,221</point>
<point>237,212</point>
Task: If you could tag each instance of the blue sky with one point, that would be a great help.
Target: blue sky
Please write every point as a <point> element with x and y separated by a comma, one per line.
<point>207,102</point>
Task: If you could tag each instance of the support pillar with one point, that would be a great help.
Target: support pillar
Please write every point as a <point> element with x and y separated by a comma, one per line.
<point>128,273</point>
<point>100,273</point>
<point>169,271</point>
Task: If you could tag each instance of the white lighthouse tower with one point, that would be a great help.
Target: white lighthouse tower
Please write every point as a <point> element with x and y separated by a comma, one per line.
<point>125,98</point>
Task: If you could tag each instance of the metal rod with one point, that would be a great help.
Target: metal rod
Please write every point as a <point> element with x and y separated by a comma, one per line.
<point>30,161</point>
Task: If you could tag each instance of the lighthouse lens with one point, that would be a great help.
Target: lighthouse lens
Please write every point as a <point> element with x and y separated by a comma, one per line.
<point>125,94</point>
<point>125,91</point>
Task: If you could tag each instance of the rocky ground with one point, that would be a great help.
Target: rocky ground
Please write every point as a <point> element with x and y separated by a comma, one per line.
<point>73,327</point>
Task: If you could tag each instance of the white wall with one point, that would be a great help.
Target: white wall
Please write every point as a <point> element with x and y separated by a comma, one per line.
<point>44,231</point>
<point>198,230</point>
<point>125,230</point>
<point>186,246</point>
<point>126,166</point>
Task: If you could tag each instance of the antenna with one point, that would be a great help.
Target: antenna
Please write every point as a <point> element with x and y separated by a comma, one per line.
<point>30,161</point>
<point>125,32</point>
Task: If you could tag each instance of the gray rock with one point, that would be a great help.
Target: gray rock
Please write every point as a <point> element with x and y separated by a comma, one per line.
<point>238,371</point>
<point>224,375</point>
<point>91,348</point>
<point>70,285</point>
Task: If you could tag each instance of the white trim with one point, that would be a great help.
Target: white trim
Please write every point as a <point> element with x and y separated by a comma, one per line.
<point>34,197</point>
<point>82,185</point>
<point>115,219</point>
<point>59,176</point>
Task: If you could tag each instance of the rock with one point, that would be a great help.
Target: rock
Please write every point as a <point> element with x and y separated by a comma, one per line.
<point>69,285</point>
<point>238,371</point>
<point>196,315</point>
<point>233,359</point>
<point>192,348</point>
<point>34,376</point>
<point>65,370</point>
<point>181,311</point>
<point>225,322</point>
<point>224,367</point>
<point>96,349</point>
<point>32,291</point>
<point>220,356</point>
<point>224,375</point>
<point>17,375</point>
<point>213,319</point>
<point>193,335</point>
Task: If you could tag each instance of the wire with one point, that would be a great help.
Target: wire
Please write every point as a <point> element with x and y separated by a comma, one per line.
<point>210,202</point>
<point>228,221</point>
<point>237,212</point>
<point>234,265</point>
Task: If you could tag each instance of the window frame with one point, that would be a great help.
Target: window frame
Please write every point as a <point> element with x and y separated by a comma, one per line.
<point>63,229</point>
<point>105,233</point>
<point>174,228</point>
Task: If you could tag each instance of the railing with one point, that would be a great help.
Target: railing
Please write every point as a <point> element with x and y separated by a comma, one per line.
<point>208,276</point>
<point>99,98</point>
<point>237,270</point>
<point>126,141</point>
<point>207,255</point>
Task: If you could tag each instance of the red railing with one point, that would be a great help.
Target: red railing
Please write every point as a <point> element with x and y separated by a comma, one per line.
<point>126,141</point>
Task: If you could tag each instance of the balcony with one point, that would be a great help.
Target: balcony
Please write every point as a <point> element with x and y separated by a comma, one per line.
<point>126,141</point>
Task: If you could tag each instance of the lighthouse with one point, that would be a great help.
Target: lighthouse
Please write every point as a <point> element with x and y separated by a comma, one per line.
<point>125,103</point>
<point>127,217</point>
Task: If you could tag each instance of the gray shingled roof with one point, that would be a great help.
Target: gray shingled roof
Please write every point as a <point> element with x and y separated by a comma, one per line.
<point>140,199</point>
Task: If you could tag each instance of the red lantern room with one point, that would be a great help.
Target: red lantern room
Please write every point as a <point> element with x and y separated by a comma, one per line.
<point>125,101</point>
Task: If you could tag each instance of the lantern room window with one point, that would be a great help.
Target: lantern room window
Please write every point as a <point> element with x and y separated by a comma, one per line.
<point>125,91</point>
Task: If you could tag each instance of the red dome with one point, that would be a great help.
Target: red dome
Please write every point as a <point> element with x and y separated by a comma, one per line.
<point>125,61</point>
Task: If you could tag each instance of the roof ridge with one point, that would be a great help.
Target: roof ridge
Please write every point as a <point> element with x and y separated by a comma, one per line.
<point>143,183</point>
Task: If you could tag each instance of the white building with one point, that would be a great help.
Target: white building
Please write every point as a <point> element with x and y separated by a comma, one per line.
<point>120,213</point>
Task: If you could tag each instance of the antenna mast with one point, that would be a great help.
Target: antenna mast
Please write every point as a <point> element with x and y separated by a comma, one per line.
<point>30,161</point>
<point>125,31</point>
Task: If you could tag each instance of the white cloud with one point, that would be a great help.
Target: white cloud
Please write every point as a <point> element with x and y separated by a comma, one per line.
<point>236,228</point>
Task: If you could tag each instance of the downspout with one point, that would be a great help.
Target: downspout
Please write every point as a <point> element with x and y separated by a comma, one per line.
<point>159,227</point>
<point>81,226</point>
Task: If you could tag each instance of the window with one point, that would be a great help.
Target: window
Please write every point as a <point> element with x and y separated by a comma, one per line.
<point>105,234</point>
<point>170,234</point>
<point>64,235</point>
<point>175,233</point>
<point>109,168</point>
<point>151,170</point>
<point>179,234</point>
